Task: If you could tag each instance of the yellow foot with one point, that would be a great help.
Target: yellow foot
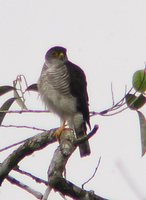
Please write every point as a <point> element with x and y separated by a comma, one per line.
<point>60,130</point>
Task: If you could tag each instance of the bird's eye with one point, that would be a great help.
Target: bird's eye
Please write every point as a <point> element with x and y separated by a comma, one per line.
<point>61,55</point>
<point>54,54</point>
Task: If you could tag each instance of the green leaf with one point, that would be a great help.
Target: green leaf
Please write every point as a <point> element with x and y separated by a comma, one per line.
<point>139,81</point>
<point>142,121</point>
<point>6,88</point>
<point>134,102</point>
<point>32,87</point>
<point>5,107</point>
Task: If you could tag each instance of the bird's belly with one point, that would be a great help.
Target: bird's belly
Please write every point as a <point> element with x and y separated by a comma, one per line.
<point>62,105</point>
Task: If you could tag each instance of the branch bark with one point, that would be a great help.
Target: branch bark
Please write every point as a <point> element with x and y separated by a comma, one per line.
<point>25,187</point>
<point>56,181</point>
<point>34,143</point>
<point>68,144</point>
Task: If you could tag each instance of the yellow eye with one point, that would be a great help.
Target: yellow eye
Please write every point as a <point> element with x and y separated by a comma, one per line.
<point>61,55</point>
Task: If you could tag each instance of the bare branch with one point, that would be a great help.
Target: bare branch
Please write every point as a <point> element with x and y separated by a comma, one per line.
<point>92,175</point>
<point>38,180</point>
<point>114,109</point>
<point>86,137</point>
<point>57,167</point>
<point>47,192</point>
<point>25,187</point>
<point>32,144</point>
<point>73,191</point>
<point>22,126</point>
<point>13,145</point>
<point>24,111</point>
<point>112,92</point>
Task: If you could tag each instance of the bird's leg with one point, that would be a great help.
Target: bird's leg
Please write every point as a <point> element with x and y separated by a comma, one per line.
<point>59,131</point>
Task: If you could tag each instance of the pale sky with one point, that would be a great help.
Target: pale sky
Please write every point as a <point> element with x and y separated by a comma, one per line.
<point>107,39</point>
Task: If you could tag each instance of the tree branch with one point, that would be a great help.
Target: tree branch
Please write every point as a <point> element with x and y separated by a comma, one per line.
<point>73,191</point>
<point>32,144</point>
<point>57,167</point>
<point>22,126</point>
<point>35,178</point>
<point>68,144</point>
<point>86,137</point>
<point>23,186</point>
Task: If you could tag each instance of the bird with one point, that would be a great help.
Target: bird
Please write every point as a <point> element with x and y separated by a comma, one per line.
<point>62,87</point>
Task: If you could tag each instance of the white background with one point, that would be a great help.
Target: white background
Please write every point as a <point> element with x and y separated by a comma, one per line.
<point>107,39</point>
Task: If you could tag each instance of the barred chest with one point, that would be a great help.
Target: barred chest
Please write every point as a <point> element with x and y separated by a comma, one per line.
<point>53,86</point>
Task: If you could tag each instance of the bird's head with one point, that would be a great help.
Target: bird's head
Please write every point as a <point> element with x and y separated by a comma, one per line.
<point>56,53</point>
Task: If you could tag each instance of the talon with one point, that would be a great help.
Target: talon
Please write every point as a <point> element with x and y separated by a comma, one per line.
<point>59,131</point>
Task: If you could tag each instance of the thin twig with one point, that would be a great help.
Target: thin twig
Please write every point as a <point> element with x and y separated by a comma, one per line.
<point>115,113</point>
<point>24,111</point>
<point>12,145</point>
<point>27,127</point>
<point>115,107</point>
<point>112,92</point>
<point>93,174</point>
<point>38,180</point>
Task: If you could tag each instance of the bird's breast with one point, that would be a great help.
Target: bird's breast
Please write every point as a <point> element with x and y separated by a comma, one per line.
<point>54,89</point>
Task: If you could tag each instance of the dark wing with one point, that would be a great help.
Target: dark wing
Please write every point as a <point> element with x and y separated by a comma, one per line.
<point>78,88</point>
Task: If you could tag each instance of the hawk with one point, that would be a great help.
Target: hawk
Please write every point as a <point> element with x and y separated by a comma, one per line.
<point>63,88</point>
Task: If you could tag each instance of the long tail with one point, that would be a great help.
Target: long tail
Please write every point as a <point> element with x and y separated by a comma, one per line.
<point>84,147</point>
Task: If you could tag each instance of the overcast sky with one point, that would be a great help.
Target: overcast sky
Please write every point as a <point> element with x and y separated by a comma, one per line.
<point>107,39</point>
